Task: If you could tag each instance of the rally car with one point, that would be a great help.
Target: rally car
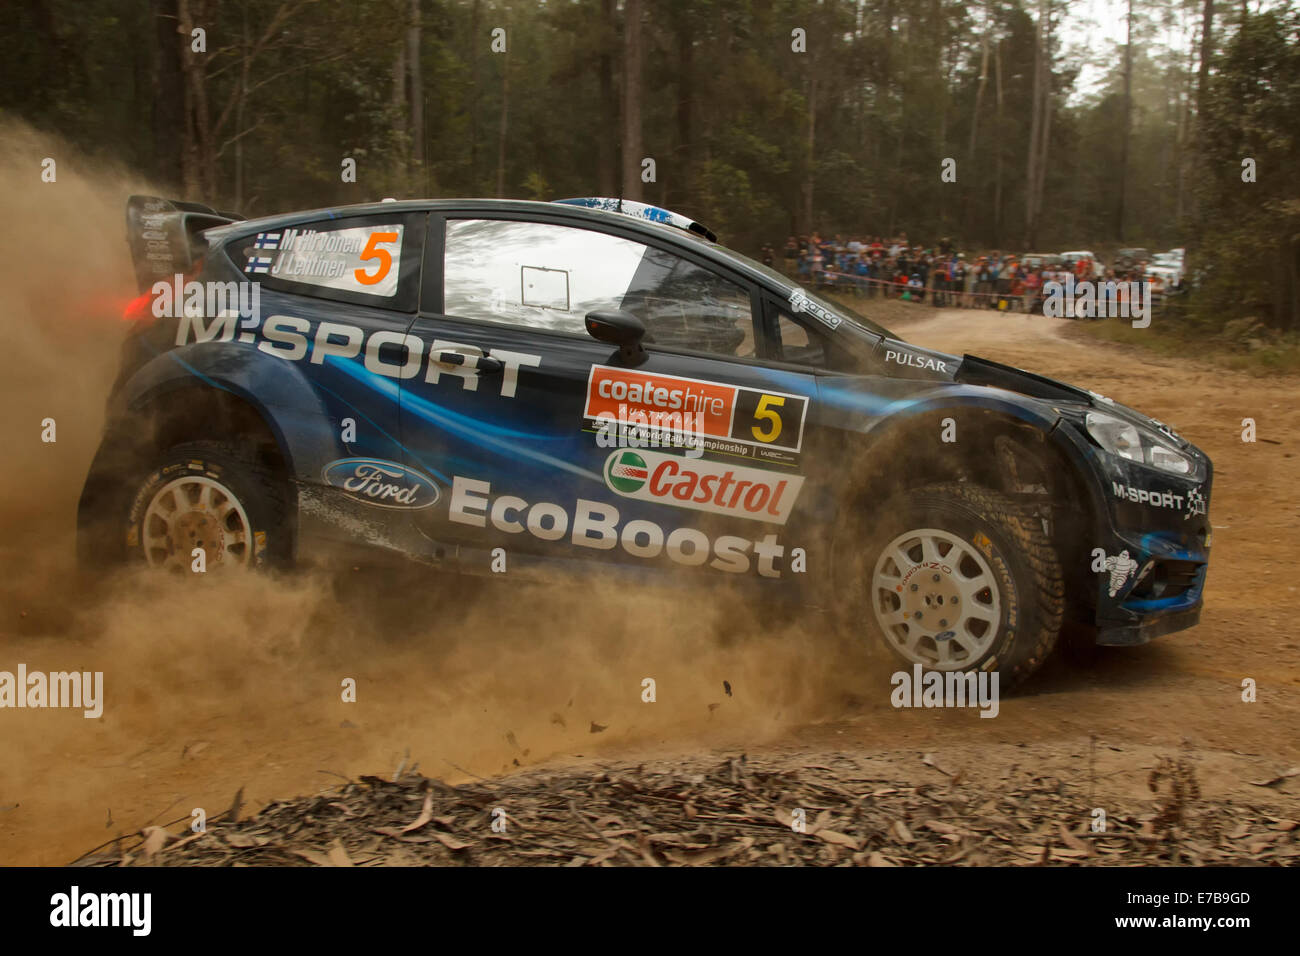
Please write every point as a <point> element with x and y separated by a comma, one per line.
<point>500,386</point>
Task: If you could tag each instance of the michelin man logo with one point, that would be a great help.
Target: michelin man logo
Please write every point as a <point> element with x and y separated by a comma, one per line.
<point>1121,568</point>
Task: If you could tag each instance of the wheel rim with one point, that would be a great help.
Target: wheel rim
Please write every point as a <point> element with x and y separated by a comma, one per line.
<point>196,512</point>
<point>936,599</point>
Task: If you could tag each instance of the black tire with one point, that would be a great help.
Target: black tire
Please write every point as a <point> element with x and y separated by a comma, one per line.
<point>1018,557</point>
<point>236,473</point>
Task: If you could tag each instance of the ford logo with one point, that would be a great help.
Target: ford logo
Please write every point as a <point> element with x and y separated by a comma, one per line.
<point>385,484</point>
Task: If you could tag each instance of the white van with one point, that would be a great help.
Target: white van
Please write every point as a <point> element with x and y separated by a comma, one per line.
<point>1068,259</point>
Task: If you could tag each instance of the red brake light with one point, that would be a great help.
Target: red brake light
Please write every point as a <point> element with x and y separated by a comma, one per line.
<point>141,307</point>
<point>138,308</point>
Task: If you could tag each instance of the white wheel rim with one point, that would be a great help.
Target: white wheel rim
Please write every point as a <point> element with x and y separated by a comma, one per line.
<point>196,512</point>
<point>936,599</point>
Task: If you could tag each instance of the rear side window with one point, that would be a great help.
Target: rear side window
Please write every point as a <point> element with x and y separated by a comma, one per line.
<point>548,276</point>
<point>797,345</point>
<point>366,260</point>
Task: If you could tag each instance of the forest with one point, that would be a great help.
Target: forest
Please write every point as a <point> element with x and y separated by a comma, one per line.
<point>761,118</point>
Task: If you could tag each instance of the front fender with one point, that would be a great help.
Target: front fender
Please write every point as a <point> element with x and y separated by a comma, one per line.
<point>887,410</point>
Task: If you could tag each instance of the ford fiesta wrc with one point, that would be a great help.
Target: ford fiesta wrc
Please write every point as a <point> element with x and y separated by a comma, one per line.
<point>597,380</point>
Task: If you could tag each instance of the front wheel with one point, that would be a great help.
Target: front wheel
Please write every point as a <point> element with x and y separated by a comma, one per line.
<point>956,577</point>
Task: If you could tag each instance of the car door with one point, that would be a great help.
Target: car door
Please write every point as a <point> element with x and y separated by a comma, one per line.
<point>557,445</point>
<point>337,297</point>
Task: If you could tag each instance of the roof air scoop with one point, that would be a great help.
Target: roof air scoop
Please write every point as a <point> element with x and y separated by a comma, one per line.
<point>640,210</point>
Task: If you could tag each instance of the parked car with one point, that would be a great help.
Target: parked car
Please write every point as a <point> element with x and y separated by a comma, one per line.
<point>1169,265</point>
<point>1068,260</point>
<point>1165,280</point>
<point>1127,259</point>
<point>1040,260</point>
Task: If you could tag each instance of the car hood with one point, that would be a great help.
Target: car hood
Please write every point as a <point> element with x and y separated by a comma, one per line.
<point>905,360</point>
<point>979,371</point>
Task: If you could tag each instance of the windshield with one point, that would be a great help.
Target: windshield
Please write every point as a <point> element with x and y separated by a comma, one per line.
<point>835,307</point>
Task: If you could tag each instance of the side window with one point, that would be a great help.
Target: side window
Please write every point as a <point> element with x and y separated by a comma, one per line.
<point>798,345</point>
<point>367,260</point>
<point>550,276</point>
<point>687,306</point>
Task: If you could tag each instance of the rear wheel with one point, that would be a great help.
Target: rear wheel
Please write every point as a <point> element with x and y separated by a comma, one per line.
<point>956,577</point>
<point>206,506</point>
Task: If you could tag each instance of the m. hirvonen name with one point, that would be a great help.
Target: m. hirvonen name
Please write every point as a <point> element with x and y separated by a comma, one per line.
<point>78,689</point>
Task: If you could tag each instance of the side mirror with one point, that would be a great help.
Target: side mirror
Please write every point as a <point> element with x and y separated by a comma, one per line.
<point>619,328</point>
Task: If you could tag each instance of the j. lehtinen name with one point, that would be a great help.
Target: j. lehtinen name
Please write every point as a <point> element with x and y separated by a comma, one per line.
<point>76,689</point>
<point>945,689</point>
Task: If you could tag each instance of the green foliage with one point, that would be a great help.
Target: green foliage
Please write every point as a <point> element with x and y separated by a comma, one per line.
<point>749,136</point>
<point>1249,251</point>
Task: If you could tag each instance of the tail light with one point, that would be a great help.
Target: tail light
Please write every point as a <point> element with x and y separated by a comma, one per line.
<point>138,308</point>
<point>141,308</point>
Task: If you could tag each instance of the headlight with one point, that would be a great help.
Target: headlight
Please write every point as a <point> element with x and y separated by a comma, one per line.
<point>1123,438</point>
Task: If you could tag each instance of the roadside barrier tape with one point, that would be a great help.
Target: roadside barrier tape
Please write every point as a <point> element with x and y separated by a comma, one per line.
<point>1013,298</point>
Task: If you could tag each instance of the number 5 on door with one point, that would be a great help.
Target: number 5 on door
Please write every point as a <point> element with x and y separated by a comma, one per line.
<point>766,413</point>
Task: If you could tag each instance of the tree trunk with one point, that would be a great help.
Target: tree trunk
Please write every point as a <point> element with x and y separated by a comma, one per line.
<point>882,82</point>
<point>400,108</point>
<point>199,160</point>
<point>810,157</point>
<point>1035,133</point>
<point>244,53</point>
<point>968,196</point>
<point>501,131</point>
<point>632,145</point>
<point>1124,139</point>
<point>168,98</point>
<point>607,170</point>
<point>903,75</point>
<point>1184,139</point>
<point>474,41</point>
<point>1207,50</point>
<point>979,94</point>
<point>416,87</point>
<point>997,148</point>
<point>683,180</point>
<point>1046,131</point>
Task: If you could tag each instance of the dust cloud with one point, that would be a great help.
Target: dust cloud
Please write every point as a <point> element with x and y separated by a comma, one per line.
<point>229,682</point>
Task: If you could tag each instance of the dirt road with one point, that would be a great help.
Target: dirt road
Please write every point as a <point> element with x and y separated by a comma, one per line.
<point>238,685</point>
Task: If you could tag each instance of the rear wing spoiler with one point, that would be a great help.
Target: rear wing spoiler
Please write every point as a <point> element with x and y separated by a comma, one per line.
<point>163,235</point>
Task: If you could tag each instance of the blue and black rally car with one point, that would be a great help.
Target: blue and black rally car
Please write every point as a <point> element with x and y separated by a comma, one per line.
<point>592,380</point>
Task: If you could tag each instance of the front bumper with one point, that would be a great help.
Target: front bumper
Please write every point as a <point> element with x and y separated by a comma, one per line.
<point>1129,635</point>
<point>1155,534</point>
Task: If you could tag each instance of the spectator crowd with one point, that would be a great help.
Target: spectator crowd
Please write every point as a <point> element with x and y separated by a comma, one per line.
<point>896,268</point>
